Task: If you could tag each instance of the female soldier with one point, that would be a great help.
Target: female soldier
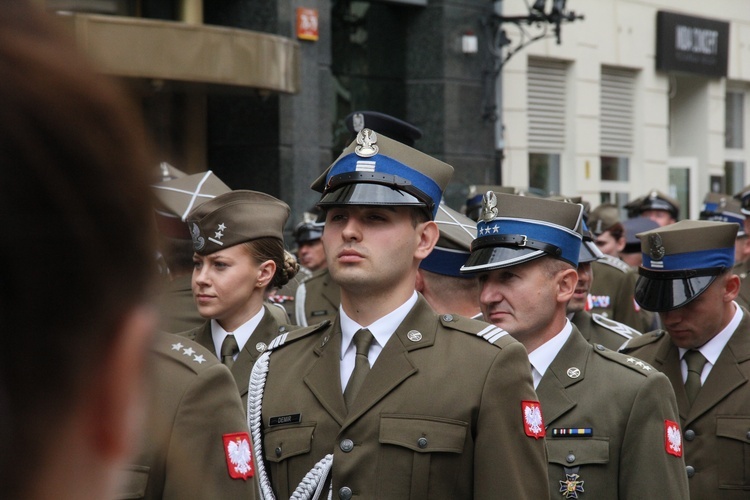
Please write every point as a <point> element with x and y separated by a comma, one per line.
<point>239,254</point>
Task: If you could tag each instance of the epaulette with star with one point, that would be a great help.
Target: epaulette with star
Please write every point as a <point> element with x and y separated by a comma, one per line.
<point>619,328</point>
<point>633,363</point>
<point>615,262</point>
<point>491,333</point>
<point>645,339</point>
<point>186,352</point>
<point>287,334</point>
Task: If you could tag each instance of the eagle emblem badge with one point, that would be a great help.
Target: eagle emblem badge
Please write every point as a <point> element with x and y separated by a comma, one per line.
<point>489,206</point>
<point>198,240</point>
<point>366,140</point>
<point>673,438</point>
<point>533,423</point>
<point>657,250</point>
<point>239,457</point>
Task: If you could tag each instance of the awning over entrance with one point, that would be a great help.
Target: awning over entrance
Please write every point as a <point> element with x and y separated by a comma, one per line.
<point>144,48</point>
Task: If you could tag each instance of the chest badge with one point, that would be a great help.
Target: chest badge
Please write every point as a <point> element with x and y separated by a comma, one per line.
<point>571,486</point>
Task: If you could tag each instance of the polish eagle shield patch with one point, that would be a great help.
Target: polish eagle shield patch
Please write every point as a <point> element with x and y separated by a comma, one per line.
<point>238,455</point>
<point>672,438</point>
<point>533,423</point>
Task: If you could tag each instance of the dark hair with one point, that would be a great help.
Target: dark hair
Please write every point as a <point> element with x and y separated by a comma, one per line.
<point>79,250</point>
<point>617,230</point>
<point>264,249</point>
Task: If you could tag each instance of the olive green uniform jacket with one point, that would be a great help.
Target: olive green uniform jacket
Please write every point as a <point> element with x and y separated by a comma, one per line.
<point>317,299</point>
<point>716,428</point>
<point>597,329</point>
<point>625,405</point>
<point>612,294</point>
<point>439,415</point>
<point>264,333</point>
<point>194,404</point>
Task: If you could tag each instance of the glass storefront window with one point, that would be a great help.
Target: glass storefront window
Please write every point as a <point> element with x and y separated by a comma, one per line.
<point>544,172</point>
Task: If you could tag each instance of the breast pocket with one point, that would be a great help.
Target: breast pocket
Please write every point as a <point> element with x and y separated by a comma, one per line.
<point>572,452</point>
<point>419,453</point>
<point>135,481</point>
<point>287,452</point>
<point>733,447</point>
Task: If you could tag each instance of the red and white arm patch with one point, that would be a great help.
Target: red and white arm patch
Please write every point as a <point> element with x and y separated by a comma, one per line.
<point>533,422</point>
<point>239,456</point>
<point>672,438</point>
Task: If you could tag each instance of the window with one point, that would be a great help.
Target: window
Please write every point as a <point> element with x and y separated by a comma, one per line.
<point>544,172</point>
<point>734,128</point>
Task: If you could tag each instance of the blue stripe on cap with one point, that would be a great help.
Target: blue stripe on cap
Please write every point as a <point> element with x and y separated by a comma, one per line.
<point>567,240</point>
<point>702,259</point>
<point>710,207</point>
<point>387,165</point>
<point>446,262</point>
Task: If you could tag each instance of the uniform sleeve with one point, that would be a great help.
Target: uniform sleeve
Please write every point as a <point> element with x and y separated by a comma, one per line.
<point>647,469</point>
<point>507,462</point>
<point>196,461</point>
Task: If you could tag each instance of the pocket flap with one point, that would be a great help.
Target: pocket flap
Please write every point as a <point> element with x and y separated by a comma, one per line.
<point>280,444</point>
<point>572,452</point>
<point>423,434</point>
<point>734,428</point>
<point>135,480</point>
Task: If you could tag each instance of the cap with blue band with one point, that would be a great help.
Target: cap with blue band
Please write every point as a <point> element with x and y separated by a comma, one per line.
<point>723,208</point>
<point>452,249</point>
<point>376,170</point>
<point>517,229</point>
<point>680,261</point>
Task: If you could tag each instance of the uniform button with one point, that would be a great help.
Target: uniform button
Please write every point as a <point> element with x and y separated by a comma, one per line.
<point>278,451</point>
<point>748,436</point>
<point>345,493</point>
<point>690,470</point>
<point>282,329</point>
<point>600,347</point>
<point>570,458</point>
<point>448,317</point>
<point>422,442</point>
<point>346,445</point>
<point>689,435</point>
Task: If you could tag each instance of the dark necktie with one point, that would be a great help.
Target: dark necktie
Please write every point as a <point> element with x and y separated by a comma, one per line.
<point>695,362</point>
<point>362,341</point>
<point>228,349</point>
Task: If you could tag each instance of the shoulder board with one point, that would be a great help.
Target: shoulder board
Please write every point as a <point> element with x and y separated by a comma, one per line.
<point>186,352</point>
<point>187,334</point>
<point>615,262</point>
<point>621,359</point>
<point>615,326</point>
<point>290,334</point>
<point>487,331</point>
<point>645,339</point>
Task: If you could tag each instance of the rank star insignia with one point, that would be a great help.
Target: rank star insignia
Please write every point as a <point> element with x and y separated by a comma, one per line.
<point>572,486</point>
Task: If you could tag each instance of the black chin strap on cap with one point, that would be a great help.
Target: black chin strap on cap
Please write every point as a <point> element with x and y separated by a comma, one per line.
<point>515,241</point>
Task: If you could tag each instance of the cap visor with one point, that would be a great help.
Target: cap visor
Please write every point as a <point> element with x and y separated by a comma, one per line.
<point>488,258</point>
<point>589,252</point>
<point>368,194</point>
<point>664,295</point>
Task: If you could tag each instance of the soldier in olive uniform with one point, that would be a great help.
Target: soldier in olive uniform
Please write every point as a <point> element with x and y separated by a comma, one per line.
<point>606,416</point>
<point>595,328</point>
<point>195,442</point>
<point>176,195</point>
<point>611,293</point>
<point>239,254</point>
<point>439,277</point>
<point>375,404</point>
<point>705,351</point>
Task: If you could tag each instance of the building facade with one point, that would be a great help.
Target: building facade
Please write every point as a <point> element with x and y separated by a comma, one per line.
<point>638,94</point>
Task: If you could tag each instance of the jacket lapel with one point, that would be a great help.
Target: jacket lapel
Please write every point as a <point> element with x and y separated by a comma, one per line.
<point>567,369</point>
<point>264,333</point>
<point>204,338</point>
<point>667,361</point>
<point>324,378</point>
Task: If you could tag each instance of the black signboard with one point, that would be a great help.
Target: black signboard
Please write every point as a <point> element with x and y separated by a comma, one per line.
<point>691,44</point>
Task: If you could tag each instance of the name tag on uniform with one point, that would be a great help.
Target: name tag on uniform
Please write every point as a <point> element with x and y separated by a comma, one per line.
<point>319,313</point>
<point>294,418</point>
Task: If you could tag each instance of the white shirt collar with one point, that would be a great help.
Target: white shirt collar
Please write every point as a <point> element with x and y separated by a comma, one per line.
<point>712,349</point>
<point>542,356</point>
<point>242,333</point>
<point>382,329</point>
